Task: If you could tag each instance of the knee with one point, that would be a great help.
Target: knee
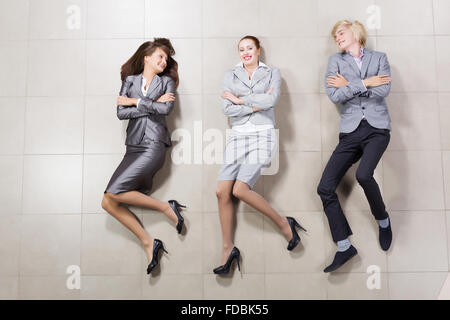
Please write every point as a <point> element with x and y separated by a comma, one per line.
<point>107,202</point>
<point>238,190</point>
<point>323,190</point>
<point>222,193</point>
<point>363,178</point>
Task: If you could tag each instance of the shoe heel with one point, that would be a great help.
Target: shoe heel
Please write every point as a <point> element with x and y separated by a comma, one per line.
<point>237,260</point>
<point>298,225</point>
<point>179,204</point>
<point>164,249</point>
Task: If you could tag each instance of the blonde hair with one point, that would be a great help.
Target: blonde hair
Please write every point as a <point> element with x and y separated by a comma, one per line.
<point>359,32</point>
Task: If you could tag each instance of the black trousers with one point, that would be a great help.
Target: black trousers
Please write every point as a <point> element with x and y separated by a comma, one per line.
<point>368,144</point>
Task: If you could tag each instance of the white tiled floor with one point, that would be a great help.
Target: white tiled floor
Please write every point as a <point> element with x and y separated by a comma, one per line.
<point>60,141</point>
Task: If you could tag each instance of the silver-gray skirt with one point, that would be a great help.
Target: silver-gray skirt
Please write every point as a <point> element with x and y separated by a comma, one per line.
<point>137,168</point>
<point>247,154</point>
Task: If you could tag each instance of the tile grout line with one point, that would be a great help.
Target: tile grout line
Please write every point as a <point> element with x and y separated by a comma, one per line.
<point>202,82</point>
<point>440,129</point>
<point>141,283</point>
<point>263,192</point>
<point>19,293</point>
<point>398,35</point>
<point>382,184</point>
<point>83,143</point>
<point>321,97</point>
<point>211,93</point>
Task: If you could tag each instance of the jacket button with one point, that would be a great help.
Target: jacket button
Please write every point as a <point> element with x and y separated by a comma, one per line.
<point>363,108</point>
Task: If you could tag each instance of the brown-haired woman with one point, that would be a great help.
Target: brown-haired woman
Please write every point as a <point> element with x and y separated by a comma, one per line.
<point>149,79</point>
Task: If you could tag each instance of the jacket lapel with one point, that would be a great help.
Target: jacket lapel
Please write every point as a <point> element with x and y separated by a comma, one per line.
<point>156,81</point>
<point>137,84</point>
<point>351,61</point>
<point>260,73</point>
<point>365,62</point>
<point>242,75</point>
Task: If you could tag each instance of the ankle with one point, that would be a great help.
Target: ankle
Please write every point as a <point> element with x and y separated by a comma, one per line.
<point>147,242</point>
<point>165,207</point>
<point>226,248</point>
<point>343,245</point>
<point>286,229</point>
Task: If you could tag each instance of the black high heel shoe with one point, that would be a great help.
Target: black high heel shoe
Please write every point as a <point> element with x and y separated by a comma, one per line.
<point>224,269</point>
<point>157,245</point>
<point>295,237</point>
<point>174,205</point>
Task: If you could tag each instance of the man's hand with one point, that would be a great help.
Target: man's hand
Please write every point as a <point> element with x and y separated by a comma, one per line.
<point>337,81</point>
<point>376,81</point>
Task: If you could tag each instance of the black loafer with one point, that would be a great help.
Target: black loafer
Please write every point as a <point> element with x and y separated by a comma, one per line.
<point>340,258</point>
<point>385,236</point>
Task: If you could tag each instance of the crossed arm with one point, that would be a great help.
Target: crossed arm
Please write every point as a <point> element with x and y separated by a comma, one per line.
<point>234,106</point>
<point>131,108</point>
<point>340,90</point>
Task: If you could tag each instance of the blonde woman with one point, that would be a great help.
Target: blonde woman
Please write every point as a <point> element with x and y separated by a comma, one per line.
<point>251,91</point>
<point>358,79</point>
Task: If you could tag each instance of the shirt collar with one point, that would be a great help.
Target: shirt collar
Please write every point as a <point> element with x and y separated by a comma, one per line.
<point>361,50</point>
<point>144,79</point>
<point>260,64</point>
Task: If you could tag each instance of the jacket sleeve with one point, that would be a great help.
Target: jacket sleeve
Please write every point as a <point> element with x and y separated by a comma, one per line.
<point>354,88</point>
<point>383,90</point>
<point>154,107</point>
<point>266,100</point>
<point>228,108</point>
<point>128,112</point>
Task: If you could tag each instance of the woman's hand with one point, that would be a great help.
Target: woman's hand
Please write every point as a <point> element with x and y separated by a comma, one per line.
<point>256,109</point>
<point>376,81</point>
<point>337,81</point>
<point>166,97</point>
<point>125,101</point>
<point>228,95</point>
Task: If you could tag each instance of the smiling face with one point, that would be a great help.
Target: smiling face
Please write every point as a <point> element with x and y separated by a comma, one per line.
<point>248,52</point>
<point>344,37</point>
<point>157,60</point>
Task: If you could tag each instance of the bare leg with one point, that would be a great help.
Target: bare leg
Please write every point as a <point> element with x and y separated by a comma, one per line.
<point>242,191</point>
<point>226,212</point>
<point>129,220</point>
<point>139,199</point>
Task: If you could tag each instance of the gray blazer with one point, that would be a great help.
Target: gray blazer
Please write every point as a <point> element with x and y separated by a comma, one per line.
<point>253,92</point>
<point>355,99</point>
<point>149,117</point>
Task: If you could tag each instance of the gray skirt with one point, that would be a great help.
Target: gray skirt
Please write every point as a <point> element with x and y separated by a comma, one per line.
<point>137,168</point>
<point>247,154</point>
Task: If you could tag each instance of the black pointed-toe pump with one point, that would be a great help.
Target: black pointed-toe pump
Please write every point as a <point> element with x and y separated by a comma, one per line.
<point>295,237</point>
<point>224,269</point>
<point>157,245</point>
<point>175,205</point>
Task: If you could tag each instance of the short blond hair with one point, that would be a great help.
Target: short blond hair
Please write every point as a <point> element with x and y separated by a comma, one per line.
<point>359,32</point>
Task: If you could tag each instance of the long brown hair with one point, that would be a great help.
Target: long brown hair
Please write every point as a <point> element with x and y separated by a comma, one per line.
<point>135,65</point>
